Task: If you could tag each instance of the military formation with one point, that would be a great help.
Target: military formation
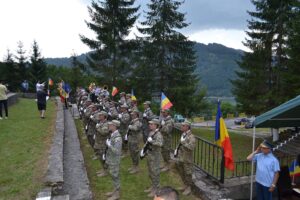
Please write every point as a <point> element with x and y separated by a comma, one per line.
<point>115,129</point>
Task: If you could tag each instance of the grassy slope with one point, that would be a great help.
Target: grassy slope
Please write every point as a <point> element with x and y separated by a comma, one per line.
<point>132,185</point>
<point>241,145</point>
<point>24,143</point>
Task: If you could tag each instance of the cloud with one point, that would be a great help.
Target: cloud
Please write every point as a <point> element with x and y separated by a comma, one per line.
<point>228,37</point>
<point>213,14</point>
<point>54,24</point>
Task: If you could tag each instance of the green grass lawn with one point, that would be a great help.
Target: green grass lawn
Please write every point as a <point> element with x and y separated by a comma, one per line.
<point>24,143</point>
<point>132,186</point>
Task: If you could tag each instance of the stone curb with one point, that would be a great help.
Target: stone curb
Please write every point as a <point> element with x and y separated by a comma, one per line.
<point>55,175</point>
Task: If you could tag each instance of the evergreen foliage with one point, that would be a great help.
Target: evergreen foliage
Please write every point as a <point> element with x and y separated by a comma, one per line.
<point>111,21</point>
<point>292,74</point>
<point>260,84</point>
<point>38,67</point>
<point>168,57</point>
<point>12,76</point>
<point>21,61</point>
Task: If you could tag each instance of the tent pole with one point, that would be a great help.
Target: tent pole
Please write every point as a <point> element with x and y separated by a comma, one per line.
<point>252,166</point>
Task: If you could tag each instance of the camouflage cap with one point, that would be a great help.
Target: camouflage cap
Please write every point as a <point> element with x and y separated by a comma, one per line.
<point>103,113</point>
<point>166,110</point>
<point>122,93</point>
<point>154,121</point>
<point>128,95</point>
<point>186,123</point>
<point>124,106</point>
<point>115,123</point>
<point>135,111</point>
<point>147,102</point>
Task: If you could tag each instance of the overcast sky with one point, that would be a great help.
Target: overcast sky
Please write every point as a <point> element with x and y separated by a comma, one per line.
<point>56,24</point>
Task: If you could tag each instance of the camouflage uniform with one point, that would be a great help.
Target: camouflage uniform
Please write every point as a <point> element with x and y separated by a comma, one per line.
<point>153,158</point>
<point>113,158</point>
<point>113,113</point>
<point>133,140</point>
<point>166,130</point>
<point>185,158</point>
<point>147,116</point>
<point>101,135</point>
<point>122,100</point>
<point>125,120</point>
<point>89,122</point>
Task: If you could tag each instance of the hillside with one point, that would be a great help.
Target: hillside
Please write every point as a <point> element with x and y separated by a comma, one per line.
<point>215,65</point>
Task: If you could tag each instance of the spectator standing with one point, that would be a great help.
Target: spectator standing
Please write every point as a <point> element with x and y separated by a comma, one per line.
<point>3,100</point>
<point>267,170</point>
<point>41,96</point>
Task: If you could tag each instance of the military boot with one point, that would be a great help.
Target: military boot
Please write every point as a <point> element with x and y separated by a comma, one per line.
<point>109,194</point>
<point>102,174</point>
<point>187,191</point>
<point>152,193</point>
<point>115,195</point>
<point>134,170</point>
<point>148,190</point>
<point>130,168</point>
<point>166,168</point>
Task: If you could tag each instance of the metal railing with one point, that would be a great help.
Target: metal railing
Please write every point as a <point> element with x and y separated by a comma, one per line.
<point>208,157</point>
<point>243,167</point>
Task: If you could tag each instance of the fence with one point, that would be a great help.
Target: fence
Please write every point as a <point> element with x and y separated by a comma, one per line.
<point>209,158</point>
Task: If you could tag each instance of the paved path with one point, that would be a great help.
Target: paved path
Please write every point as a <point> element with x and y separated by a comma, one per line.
<point>76,182</point>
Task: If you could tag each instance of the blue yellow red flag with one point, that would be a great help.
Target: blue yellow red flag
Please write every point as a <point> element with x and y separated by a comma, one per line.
<point>295,169</point>
<point>165,102</point>
<point>222,139</point>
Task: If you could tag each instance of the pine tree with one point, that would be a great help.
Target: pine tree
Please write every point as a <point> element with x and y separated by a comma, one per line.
<point>259,86</point>
<point>111,20</point>
<point>292,74</point>
<point>169,55</point>
<point>38,67</point>
<point>12,72</point>
<point>21,61</point>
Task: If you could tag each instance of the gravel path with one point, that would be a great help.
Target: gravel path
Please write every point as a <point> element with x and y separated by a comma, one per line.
<point>76,182</point>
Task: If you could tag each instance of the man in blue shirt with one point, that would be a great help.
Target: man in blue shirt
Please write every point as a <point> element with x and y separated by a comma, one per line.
<point>267,170</point>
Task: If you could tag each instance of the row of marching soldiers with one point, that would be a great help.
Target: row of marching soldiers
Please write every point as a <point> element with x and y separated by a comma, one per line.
<point>113,128</point>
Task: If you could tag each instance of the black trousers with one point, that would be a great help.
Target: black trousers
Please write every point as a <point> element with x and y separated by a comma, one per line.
<point>4,102</point>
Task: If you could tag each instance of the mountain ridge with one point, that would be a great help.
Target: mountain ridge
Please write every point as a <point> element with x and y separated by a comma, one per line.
<point>216,65</point>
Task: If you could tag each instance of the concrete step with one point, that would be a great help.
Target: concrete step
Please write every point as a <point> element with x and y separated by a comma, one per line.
<point>44,194</point>
<point>61,197</point>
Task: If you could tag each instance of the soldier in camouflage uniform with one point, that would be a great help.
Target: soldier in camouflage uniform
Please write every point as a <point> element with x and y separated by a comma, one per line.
<point>113,113</point>
<point>101,135</point>
<point>184,153</point>
<point>128,100</point>
<point>166,131</point>
<point>113,158</point>
<point>89,114</point>
<point>124,118</point>
<point>147,116</point>
<point>153,158</point>
<point>134,132</point>
<point>122,100</point>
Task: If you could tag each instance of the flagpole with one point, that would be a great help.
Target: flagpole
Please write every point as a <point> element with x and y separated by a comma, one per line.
<point>252,165</point>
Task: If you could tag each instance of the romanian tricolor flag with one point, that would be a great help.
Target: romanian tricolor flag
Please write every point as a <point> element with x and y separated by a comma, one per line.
<point>222,139</point>
<point>295,169</point>
<point>133,98</point>
<point>165,102</point>
<point>114,91</point>
<point>50,82</point>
